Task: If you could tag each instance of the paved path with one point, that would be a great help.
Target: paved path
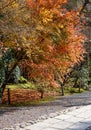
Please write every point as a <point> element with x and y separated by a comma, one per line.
<point>20,117</point>
<point>77,119</point>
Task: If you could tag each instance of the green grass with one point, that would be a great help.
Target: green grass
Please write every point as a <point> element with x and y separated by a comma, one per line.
<point>36,102</point>
<point>21,86</point>
<point>71,90</point>
<point>31,103</point>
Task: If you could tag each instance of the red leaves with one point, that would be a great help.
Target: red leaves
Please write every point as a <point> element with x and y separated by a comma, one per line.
<point>45,3</point>
<point>61,47</point>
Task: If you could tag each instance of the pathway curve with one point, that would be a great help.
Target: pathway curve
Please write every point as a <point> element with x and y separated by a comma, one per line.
<point>19,117</point>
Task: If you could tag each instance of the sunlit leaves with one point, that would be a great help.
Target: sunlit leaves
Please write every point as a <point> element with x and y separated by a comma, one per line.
<point>58,37</point>
<point>48,34</point>
<point>46,15</point>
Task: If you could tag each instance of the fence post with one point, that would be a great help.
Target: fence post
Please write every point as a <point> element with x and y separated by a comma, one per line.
<point>8,96</point>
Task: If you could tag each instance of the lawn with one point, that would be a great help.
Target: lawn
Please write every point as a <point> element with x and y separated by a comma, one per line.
<point>27,85</point>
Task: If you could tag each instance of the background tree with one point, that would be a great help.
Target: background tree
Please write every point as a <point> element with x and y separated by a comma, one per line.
<point>81,77</point>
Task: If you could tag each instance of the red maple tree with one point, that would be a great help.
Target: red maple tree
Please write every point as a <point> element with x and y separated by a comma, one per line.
<point>57,41</point>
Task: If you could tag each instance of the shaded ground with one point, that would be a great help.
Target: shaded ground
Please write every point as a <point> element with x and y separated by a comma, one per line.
<point>17,115</point>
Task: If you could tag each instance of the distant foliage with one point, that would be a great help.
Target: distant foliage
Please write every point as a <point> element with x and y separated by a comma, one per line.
<point>2,71</point>
<point>79,78</point>
<point>5,66</point>
<point>84,78</point>
<point>15,75</point>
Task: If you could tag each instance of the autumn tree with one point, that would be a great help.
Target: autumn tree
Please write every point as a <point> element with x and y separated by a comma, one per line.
<point>58,33</point>
<point>13,28</point>
<point>44,33</point>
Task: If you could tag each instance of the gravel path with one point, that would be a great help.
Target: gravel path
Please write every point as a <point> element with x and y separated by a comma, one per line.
<point>18,117</point>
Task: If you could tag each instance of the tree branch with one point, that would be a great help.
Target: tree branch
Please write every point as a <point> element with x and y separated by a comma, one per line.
<point>84,5</point>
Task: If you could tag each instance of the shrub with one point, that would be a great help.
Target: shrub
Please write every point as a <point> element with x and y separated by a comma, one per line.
<point>74,90</point>
<point>15,75</point>
<point>22,80</point>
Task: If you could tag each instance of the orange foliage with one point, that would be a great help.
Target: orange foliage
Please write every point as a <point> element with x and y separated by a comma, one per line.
<point>45,3</point>
<point>58,43</point>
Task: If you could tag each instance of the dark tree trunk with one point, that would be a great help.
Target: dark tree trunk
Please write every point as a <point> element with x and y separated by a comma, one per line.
<point>42,94</point>
<point>75,83</point>
<point>84,5</point>
<point>62,89</point>
<point>3,86</point>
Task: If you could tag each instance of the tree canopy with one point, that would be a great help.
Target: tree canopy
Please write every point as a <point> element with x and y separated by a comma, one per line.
<point>43,32</point>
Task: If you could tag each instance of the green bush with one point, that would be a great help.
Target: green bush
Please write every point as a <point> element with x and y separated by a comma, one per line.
<point>75,90</point>
<point>15,75</point>
<point>22,80</point>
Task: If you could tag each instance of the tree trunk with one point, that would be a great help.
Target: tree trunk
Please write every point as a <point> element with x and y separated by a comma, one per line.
<point>0,101</point>
<point>1,92</point>
<point>19,57</point>
<point>42,94</point>
<point>75,83</point>
<point>79,88</point>
<point>2,88</point>
<point>62,89</point>
<point>9,97</point>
